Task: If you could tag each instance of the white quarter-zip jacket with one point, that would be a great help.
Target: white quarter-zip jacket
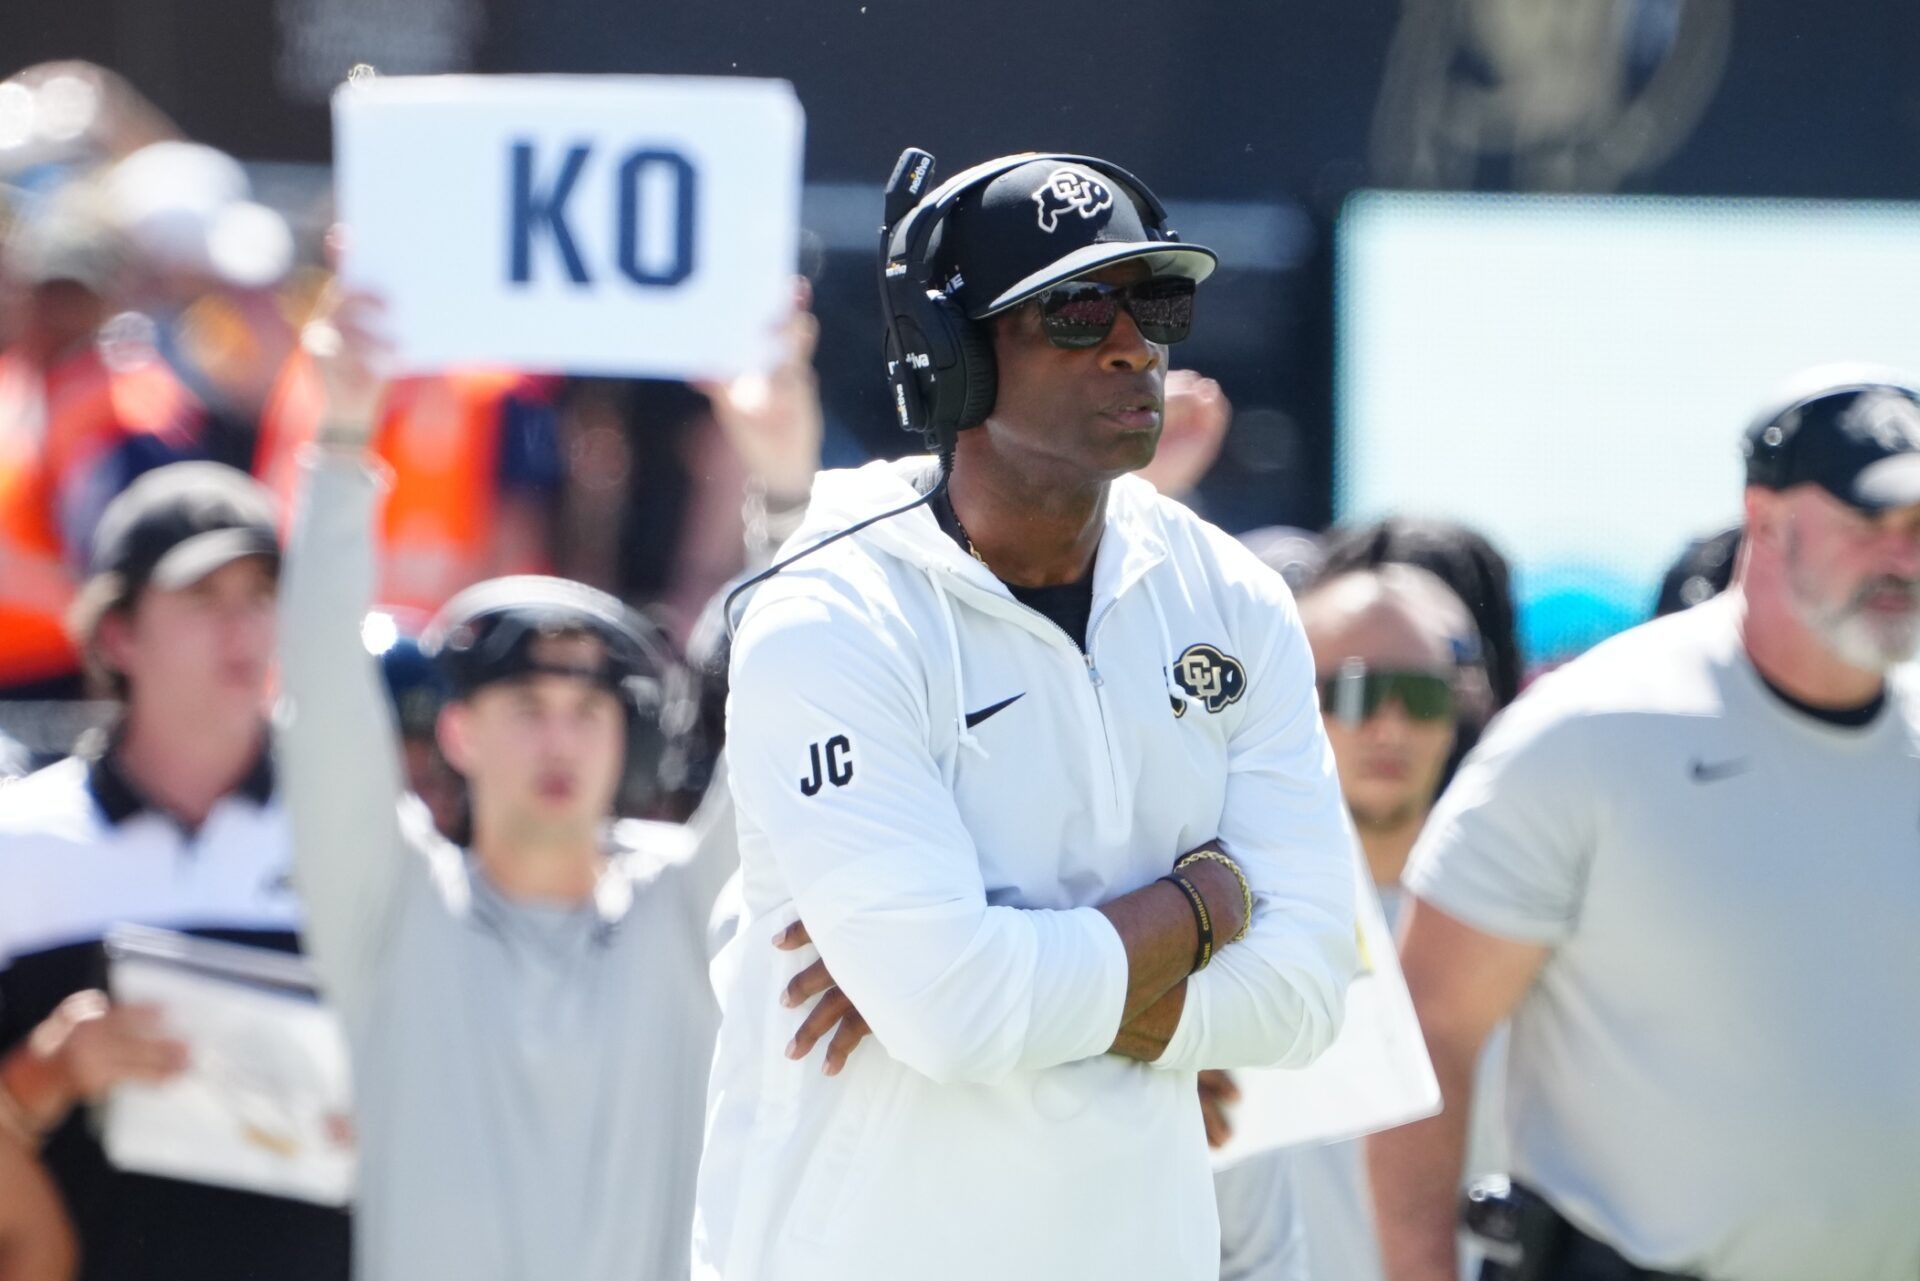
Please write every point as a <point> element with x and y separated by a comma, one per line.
<point>939,782</point>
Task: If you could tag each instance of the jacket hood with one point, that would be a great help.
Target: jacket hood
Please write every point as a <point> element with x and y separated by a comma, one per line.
<point>844,498</point>
<point>1130,545</point>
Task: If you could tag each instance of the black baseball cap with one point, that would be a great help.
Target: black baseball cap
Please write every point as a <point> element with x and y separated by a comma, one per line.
<point>176,524</point>
<point>1049,221</point>
<point>416,687</point>
<point>491,632</point>
<point>1852,430</point>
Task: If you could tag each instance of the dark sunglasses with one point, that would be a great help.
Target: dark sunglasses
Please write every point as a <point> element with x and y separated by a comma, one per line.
<point>1355,693</point>
<point>1081,313</point>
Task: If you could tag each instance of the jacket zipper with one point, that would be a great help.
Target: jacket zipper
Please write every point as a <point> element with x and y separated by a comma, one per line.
<point>1100,706</point>
<point>1096,684</point>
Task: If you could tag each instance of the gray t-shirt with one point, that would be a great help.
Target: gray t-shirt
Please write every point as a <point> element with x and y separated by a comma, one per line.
<point>1715,1070</point>
<point>1262,1236</point>
<point>530,1078</point>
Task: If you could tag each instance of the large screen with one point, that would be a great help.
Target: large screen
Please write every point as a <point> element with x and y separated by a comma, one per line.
<point>1571,375</point>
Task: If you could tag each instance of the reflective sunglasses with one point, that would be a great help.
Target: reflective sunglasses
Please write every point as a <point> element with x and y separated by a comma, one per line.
<point>1356,692</point>
<point>1081,313</point>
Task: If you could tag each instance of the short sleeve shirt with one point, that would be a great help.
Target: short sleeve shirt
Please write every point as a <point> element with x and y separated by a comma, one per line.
<point>1715,1069</point>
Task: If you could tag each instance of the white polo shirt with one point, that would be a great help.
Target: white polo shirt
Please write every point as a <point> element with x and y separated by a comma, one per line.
<point>81,851</point>
<point>1717,1070</point>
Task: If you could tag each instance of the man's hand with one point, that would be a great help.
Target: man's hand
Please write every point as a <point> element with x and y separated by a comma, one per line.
<point>774,419</point>
<point>84,1048</point>
<point>1192,429</point>
<point>833,1007</point>
<point>1217,1094</point>
<point>1146,1030</point>
<point>351,358</point>
<point>1144,1036</point>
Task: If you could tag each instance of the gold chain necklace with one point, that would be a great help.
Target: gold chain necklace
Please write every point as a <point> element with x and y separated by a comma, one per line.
<point>965,537</point>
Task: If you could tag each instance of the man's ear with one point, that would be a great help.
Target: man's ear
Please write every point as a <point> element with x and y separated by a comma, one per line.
<point>1005,327</point>
<point>454,732</point>
<point>1766,513</point>
<point>113,642</point>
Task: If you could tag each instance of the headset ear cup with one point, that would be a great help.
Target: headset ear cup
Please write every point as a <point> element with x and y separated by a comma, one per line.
<point>961,395</point>
<point>979,375</point>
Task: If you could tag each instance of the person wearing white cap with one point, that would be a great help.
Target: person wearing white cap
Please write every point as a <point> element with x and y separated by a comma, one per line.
<point>173,820</point>
<point>188,209</point>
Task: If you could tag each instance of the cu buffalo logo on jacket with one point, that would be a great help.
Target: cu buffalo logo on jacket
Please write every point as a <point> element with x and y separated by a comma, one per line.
<point>1071,191</point>
<point>1210,676</point>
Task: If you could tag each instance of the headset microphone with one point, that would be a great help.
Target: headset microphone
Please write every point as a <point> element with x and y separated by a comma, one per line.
<point>906,186</point>
<point>911,174</point>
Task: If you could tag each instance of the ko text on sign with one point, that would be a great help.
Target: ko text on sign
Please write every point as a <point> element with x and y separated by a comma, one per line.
<point>541,209</point>
<point>624,225</point>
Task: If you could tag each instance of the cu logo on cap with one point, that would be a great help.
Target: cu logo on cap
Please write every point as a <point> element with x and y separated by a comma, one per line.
<point>1070,191</point>
<point>1214,678</point>
<point>1889,417</point>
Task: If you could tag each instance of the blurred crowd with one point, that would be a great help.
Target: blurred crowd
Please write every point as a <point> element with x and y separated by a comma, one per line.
<point>150,313</point>
<point>149,307</point>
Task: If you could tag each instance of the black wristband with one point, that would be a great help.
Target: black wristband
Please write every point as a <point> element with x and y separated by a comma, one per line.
<point>1202,920</point>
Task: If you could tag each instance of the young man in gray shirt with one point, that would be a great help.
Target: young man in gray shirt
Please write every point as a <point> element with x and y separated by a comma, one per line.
<point>530,1018</point>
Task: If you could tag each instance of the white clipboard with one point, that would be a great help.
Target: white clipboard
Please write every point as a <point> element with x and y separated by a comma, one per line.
<point>265,1102</point>
<point>1374,1076</point>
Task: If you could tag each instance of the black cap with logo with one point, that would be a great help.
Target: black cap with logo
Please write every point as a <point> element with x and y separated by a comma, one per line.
<point>1049,221</point>
<point>1852,430</point>
<point>176,524</point>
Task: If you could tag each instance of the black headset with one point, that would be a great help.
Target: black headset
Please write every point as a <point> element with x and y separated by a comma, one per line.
<point>940,370</point>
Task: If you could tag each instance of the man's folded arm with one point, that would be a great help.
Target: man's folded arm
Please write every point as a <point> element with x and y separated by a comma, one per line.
<point>828,754</point>
<point>1277,997</point>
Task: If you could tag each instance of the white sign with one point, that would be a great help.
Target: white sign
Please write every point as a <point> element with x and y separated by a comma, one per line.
<point>1374,1076</point>
<point>632,225</point>
<point>265,1103</point>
